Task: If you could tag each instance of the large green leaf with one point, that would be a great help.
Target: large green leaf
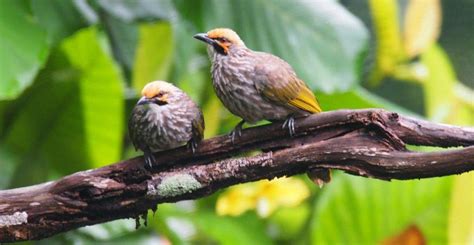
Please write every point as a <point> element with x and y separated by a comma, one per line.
<point>133,10</point>
<point>71,119</point>
<point>320,39</point>
<point>123,37</point>
<point>364,211</point>
<point>457,38</point>
<point>23,48</point>
<point>40,113</point>
<point>59,18</point>
<point>154,54</point>
<point>101,93</point>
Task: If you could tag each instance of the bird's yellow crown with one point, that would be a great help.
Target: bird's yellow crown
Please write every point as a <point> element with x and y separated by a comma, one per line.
<point>226,33</point>
<point>154,88</point>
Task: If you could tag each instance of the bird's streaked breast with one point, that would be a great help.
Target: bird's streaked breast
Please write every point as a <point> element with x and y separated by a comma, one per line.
<point>163,127</point>
<point>233,83</point>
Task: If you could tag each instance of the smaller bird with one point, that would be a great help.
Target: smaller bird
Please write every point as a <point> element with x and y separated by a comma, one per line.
<point>164,118</point>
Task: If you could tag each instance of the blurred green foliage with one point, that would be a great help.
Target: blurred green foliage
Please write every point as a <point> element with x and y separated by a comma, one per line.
<point>70,71</point>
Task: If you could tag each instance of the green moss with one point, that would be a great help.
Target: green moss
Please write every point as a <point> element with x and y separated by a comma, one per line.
<point>174,185</point>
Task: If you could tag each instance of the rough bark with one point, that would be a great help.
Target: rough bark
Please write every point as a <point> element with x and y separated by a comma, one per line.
<point>368,143</point>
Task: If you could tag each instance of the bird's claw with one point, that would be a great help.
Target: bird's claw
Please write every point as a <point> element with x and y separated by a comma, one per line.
<point>150,160</point>
<point>233,133</point>
<point>192,144</point>
<point>236,131</point>
<point>290,124</point>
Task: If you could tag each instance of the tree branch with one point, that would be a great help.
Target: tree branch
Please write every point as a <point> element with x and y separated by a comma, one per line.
<point>368,143</point>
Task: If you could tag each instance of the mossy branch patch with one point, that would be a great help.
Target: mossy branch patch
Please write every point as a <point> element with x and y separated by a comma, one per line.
<point>174,185</point>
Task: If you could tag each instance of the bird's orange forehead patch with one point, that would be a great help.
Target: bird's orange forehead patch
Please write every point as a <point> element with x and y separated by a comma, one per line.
<point>153,88</point>
<point>227,33</point>
<point>150,90</point>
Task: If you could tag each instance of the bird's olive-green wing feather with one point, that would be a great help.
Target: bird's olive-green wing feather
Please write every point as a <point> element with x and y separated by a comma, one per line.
<point>198,127</point>
<point>276,80</point>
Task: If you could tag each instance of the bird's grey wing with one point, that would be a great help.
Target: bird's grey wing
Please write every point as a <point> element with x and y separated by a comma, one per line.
<point>134,126</point>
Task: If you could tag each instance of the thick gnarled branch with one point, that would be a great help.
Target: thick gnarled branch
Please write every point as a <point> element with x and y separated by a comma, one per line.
<point>369,143</point>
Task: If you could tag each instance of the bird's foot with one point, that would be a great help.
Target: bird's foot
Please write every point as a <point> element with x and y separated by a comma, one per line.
<point>192,144</point>
<point>290,124</point>
<point>236,131</point>
<point>150,160</point>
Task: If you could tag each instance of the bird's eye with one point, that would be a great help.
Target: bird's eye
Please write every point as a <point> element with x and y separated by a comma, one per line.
<point>160,94</point>
<point>222,40</point>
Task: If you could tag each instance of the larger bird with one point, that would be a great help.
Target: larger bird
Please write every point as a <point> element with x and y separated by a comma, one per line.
<point>257,86</point>
<point>164,118</point>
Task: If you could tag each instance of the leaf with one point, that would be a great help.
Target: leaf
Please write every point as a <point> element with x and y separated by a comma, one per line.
<point>461,215</point>
<point>212,110</point>
<point>359,98</point>
<point>289,222</point>
<point>203,225</point>
<point>23,49</point>
<point>358,210</point>
<point>59,18</point>
<point>117,232</point>
<point>123,38</point>
<point>154,54</point>
<point>188,61</point>
<point>389,50</point>
<point>77,109</point>
<point>312,36</point>
<point>25,143</point>
<point>135,10</point>
<point>457,39</point>
<point>439,87</point>
<point>101,96</point>
<point>422,25</point>
<point>230,231</point>
<point>442,104</point>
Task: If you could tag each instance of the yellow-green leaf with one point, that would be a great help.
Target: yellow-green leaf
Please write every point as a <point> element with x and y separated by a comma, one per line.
<point>154,54</point>
<point>439,87</point>
<point>389,50</point>
<point>461,216</point>
<point>101,92</point>
<point>211,111</point>
<point>422,25</point>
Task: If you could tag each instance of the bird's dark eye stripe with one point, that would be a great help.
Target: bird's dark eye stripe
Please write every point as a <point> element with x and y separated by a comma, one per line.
<point>222,39</point>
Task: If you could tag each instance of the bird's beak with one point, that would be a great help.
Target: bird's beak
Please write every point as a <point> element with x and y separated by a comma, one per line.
<point>143,100</point>
<point>203,37</point>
